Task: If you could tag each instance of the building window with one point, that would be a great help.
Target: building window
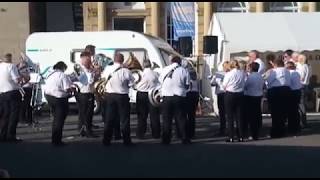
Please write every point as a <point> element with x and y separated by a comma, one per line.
<point>231,7</point>
<point>170,30</point>
<point>78,15</point>
<point>282,7</point>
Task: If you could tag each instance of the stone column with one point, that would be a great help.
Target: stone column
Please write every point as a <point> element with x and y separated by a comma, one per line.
<point>312,6</point>
<point>207,14</point>
<point>102,16</point>
<point>259,7</point>
<point>155,14</point>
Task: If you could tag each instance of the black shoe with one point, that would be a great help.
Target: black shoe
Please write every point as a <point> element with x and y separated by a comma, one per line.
<point>59,144</point>
<point>14,140</point>
<point>230,140</point>
<point>106,143</point>
<point>186,142</point>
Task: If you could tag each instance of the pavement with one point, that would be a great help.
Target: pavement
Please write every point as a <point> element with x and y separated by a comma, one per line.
<point>209,156</point>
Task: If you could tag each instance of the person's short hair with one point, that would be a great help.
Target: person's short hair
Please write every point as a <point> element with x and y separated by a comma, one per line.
<point>254,67</point>
<point>60,66</point>
<point>85,54</point>
<point>90,48</point>
<point>176,59</point>
<point>279,62</point>
<point>147,63</point>
<point>256,52</point>
<point>7,57</point>
<point>271,57</point>
<point>242,65</point>
<point>290,65</point>
<point>119,58</point>
<point>234,64</point>
<point>289,52</point>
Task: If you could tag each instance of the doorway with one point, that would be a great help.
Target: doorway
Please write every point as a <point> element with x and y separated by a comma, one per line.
<point>131,24</point>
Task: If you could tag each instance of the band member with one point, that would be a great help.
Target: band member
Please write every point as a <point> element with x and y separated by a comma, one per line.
<point>254,57</point>
<point>149,81</point>
<point>295,95</point>
<point>117,100</point>
<point>175,81</point>
<point>217,82</point>
<point>57,91</point>
<point>85,98</point>
<point>278,84</point>
<point>192,103</point>
<point>10,98</point>
<point>25,115</point>
<point>253,91</point>
<point>233,84</point>
<point>304,69</point>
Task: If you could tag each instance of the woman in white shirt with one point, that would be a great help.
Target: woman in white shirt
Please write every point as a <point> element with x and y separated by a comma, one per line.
<point>295,96</point>
<point>278,84</point>
<point>217,82</point>
<point>305,72</point>
<point>233,84</point>
<point>57,91</point>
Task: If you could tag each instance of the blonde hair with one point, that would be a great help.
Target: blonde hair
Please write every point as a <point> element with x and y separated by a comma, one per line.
<point>302,59</point>
<point>226,66</point>
<point>234,64</point>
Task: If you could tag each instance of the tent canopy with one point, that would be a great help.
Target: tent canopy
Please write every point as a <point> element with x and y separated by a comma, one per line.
<point>266,31</point>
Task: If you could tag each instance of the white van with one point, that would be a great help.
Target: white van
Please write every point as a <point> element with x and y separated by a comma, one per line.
<point>48,48</point>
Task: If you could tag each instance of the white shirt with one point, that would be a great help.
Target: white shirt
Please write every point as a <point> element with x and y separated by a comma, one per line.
<point>8,77</point>
<point>278,77</point>
<point>254,85</point>
<point>86,81</point>
<point>262,67</point>
<point>149,80</point>
<point>305,72</point>
<point>176,85</point>
<point>217,81</point>
<point>120,81</point>
<point>57,84</point>
<point>234,81</point>
<point>295,83</point>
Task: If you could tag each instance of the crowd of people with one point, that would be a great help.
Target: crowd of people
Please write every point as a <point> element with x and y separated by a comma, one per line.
<point>240,87</point>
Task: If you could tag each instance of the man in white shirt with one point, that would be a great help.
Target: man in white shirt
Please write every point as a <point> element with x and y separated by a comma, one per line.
<point>295,94</point>
<point>253,92</point>
<point>149,81</point>
<point>57,91</point>
<point>278,84</point>
<point>254,57</point>
<point>85,97</point>
<point>119,79</point>
<point>10,98</point>
<point>175,81</point>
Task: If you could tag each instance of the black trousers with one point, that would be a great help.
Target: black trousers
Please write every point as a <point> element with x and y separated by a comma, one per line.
<point>302,106</point>
<point>86,108</point>
<point>234,112</point>
<point>293,116</point>
<point>116,130</point>
<point>174,106</point>
<point>252,116</point>
<point>144,108</point>
<point>222,112</point>
<point>59,108</point>
<point>278,98</point>
<point>11,102</point>
<point>117,104</point>
<point>191,107</point>
<point>25,114</point>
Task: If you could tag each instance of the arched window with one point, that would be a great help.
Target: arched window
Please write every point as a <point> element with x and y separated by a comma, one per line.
<point>282,7</point>
<point>231,7</point>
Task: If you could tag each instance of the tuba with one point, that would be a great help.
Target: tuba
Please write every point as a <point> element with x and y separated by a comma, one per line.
<point>155,97</point>
<point>135,67</point>
<point>100,86</point>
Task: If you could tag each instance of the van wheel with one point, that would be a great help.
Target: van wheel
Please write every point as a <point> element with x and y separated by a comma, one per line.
<point>97,106</point>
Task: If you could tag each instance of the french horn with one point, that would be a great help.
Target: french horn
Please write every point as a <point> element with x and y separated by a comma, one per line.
<point>155,97</point>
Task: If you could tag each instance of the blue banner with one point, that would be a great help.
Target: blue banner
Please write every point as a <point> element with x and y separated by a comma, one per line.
<point>183,15</point>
